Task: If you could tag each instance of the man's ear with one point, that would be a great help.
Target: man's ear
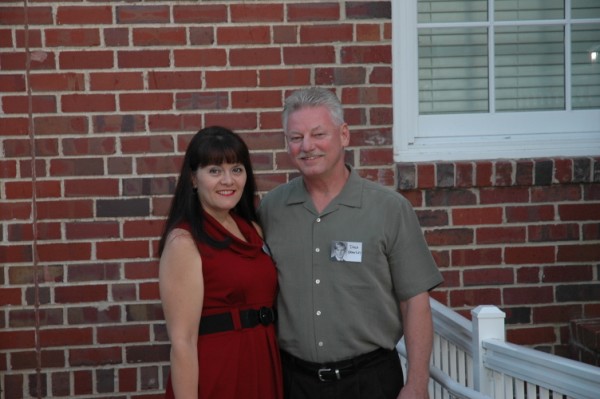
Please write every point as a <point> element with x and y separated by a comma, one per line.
<point>345,135</point>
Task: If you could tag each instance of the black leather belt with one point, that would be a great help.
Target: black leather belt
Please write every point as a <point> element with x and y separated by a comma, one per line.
<point>334,371</point>
<point>248,318</point>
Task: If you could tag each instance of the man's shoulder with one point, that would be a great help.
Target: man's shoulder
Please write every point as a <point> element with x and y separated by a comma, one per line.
<point>382,194</point>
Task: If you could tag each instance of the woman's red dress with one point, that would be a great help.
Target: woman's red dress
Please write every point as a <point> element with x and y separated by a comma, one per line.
<point>241,363</point>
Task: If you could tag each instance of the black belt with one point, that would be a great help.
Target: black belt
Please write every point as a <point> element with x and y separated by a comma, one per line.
<point>336,370</point>
<point>248,318</point>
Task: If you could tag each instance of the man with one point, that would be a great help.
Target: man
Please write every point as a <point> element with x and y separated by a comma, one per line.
<point>339,322</point>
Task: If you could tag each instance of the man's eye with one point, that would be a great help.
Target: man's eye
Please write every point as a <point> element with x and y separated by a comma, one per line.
<point>295,139</point>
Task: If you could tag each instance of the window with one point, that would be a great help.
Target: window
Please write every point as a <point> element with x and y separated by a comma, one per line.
<point>487,79</point>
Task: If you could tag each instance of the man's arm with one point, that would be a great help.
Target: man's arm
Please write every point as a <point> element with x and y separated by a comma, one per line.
<point>418,337</point>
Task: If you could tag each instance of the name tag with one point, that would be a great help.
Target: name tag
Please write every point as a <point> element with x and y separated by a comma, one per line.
<point>346,251</point>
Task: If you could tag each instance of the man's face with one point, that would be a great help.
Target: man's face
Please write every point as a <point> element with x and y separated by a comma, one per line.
<point>315,143</point>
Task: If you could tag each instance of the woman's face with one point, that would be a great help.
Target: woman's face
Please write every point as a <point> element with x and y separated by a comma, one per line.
<point>220,187</point>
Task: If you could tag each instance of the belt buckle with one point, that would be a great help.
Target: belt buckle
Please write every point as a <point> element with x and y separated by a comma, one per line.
<point>266,316</point>
<point>328,370</point>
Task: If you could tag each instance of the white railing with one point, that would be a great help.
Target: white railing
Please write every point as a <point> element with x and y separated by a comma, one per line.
<point>472,360</point>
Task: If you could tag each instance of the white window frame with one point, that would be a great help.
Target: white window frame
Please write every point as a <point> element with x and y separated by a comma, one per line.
<point>456,137</point>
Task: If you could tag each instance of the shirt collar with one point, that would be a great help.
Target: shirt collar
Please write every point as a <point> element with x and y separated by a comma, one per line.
<point>351,194</point>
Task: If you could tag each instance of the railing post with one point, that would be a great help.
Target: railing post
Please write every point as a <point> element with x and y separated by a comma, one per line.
<point>488,322</point>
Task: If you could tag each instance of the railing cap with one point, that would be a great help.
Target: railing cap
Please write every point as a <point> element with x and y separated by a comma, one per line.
<point>487,312</point>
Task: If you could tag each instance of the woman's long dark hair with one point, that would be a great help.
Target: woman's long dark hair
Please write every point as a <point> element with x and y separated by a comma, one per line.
<point>213,145</point>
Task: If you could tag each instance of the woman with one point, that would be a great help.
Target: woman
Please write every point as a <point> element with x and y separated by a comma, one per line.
<point>217,281</point>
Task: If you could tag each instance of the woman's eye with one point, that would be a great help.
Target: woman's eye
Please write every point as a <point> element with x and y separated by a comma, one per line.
<point>214,171</point>
<point>238,170</point>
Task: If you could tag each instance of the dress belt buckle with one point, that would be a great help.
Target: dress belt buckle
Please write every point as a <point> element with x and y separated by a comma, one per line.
<point>266,316</point>
<point>323,376</point>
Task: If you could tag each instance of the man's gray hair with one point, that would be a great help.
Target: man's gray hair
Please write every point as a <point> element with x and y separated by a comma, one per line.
<point>313,97</point>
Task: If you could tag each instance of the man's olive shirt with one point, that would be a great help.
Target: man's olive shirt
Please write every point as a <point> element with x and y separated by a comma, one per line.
<point>331,310</point>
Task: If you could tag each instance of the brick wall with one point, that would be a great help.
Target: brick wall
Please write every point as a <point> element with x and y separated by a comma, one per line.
<point>92,131</point>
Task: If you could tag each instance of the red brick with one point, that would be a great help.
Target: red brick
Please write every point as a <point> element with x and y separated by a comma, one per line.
<point>529,255</point>
<point>232,120</point>
<point>529,275</point>
<point>161,123</point>
<point>308,55</point>
<point>88,103</point>
<point>475,297</point>
<point>82,15</point>
<point>10,296</point>
<point>313,12</point>
<point>284,34</point>
<point>118,123</point>
<point>381,116</point>
<point>159,36</point>
<point>142,228</point>
<point>143,58</point>
<point>54,82</point>
<point>283,77</point>
<point>116,81</point>
<point>90,230</point>
<point>531,335</point>
<point>503,195</point>
<point>256,12</point>
<point>23,190</point>
<point>14,126</point>
<point>579,253</point>
<point>376,156</point>
<point>220,79</point>
<point>82,382</point>
<point>20,104</point>
<point>77,167</point>
<point>34,38</point>
<point>17,339</point>
<point>95,356</point>
<point>6,39</point>
<point>557,193</point>
<point>65,209</point>
<point>488,276</point>
<point>89,146</point>
<point>15,61</point>
<point>159,80</point>
<point>477,216</point>
<point>16,210</point>
<point>123,334</point>
<point>66,337</point>
<point>373,54</point>
<point>561,274</point>
<point>520,214</point>
<point>200,57</point>
<point>340,76</point>
<point>446,237</point>
<point>141,270</point>
<point>127,379</point>
<point>35,15</point>
<point>368,32</point>
<point>563,170</point>
<point>583,211</point>
<point>200,13</point>
<point>12,83</point>
<point>326,33</point>
<point>238,35</point>
<point>143,14</point>
<point>476,257</point>
<point>202,100</point>
<point>122,249</point>
<point>80,59</point>
<point>149,291</point>
<point>380,75</point>
<point>528,295</point>
<point>256,99</point>
<point>499,235</point>
<point>254,56</point>
<point>555,232</point>
<point>72,37</point>
<point>92,188</point>
<point>367,95</point>
<point>483,174</point>
<point>591,231</point>
<point>146,101</point>
<point>116,37</point>
<point>91,314</point>
<point>425,176</point>
<point>64,252</point>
